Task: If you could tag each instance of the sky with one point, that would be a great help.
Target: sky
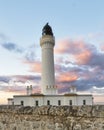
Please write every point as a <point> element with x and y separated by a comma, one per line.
<point>78,27</point>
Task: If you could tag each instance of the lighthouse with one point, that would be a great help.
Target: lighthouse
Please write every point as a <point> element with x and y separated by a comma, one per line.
<point>47,42</point>
<point>49,95</point>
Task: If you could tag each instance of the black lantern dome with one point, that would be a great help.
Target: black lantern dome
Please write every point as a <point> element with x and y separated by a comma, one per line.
<point>47,30</point>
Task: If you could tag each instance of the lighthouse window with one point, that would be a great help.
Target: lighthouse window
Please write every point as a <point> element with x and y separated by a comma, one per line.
<point>59,102</point>
<point>70,102</point>
<point>84,102</point>
<point>48,102</point>
<point>36,103</point>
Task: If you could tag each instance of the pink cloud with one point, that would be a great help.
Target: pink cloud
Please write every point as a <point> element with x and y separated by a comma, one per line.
<point>83,57</point>
<point>34,66</point>
<point>79,49</point>
<point>69,46</point>
<point>63,46</point>
<point>102,48</point>
<point>67,77</point>
<point>37,90</point>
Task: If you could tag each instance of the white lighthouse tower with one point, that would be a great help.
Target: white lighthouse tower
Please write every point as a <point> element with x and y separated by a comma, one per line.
<point>47,43</point>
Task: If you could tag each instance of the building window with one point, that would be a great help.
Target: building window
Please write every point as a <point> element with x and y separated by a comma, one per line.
<point>59,102</point>
<point>12,103</point>
<point>70,102</point>
<point>36,103</point>
<point>84,102</point>
<point>22,103</point>
<point>48,102</point>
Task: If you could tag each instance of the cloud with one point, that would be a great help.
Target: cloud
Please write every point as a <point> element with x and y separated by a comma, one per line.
<point>35,66</point>
<point>3,37</point>
<point>102,47</point>
<point>32,59</point>
<point>96,60</point>
<point>30,56</point>
<point>67,77</point>
<point>18,83</point>
<point>83,53</point>
<point>6,43</point>
<point>9,46</point>
<point>77,63</point>
<point>62,46</point>
<point>12,47</point>
<point>30,53</point>
<point>80,50</point>
<point>27,55</point>
<point>4,79</point>
<point>95,35</point>
<point>82,65</point>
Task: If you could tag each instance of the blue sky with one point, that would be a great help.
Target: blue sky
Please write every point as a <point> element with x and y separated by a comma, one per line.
<point>78,27</point>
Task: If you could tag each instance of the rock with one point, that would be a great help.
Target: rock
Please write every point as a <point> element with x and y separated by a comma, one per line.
<point>52,118</point>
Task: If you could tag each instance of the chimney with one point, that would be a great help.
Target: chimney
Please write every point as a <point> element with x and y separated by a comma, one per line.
<point>72,89</point>
<point>29,90</point>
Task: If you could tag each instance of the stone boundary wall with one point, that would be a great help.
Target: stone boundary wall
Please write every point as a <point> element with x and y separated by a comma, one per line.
<point>52,118</point>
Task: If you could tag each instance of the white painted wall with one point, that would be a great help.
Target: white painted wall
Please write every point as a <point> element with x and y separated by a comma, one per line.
<point>26,99</point>
<point>53,99</point>
<point>68,98</point>
<point>89,99</point>
<point>42,100</point>
<point>10,101</point>
<point>47,43</point>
